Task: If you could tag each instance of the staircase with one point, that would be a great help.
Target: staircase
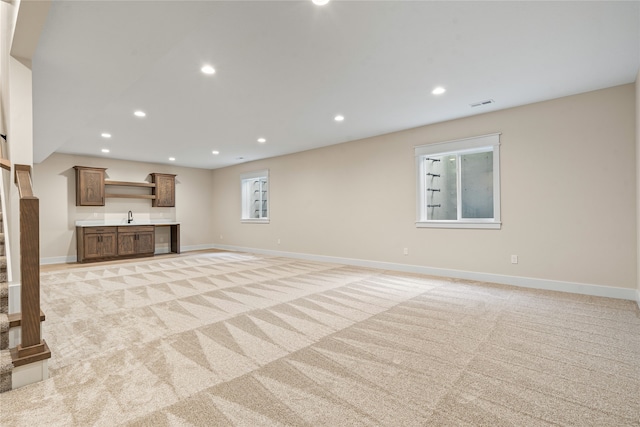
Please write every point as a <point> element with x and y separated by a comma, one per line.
<point>6,365</point>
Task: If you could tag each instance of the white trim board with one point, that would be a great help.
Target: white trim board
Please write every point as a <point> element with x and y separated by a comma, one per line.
<point>73,258</point>
<point>523,282</point>
<point>58,260</point>
<point>14,297</point>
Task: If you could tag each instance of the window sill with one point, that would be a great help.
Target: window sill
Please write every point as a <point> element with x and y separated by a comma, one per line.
<point>459,224</point>
<point>255,221</point>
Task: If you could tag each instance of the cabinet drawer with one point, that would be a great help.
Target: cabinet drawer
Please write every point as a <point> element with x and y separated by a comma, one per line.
<point>136,229</point>
<point>99,230</point>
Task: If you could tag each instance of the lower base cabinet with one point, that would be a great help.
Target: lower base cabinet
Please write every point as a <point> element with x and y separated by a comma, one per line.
<point>134,240</point>
<point>102,243</point>
<point>97,243</point>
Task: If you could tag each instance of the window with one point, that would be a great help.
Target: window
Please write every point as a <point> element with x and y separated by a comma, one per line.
<point>459,183</point>
<point>255,196</point>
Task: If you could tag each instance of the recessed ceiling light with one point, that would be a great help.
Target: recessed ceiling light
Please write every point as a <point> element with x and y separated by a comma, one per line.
<point>438,91</point>
<point>105,135</point>
<point>208,69</point>
<point>320,2</point>
<point>262,140</point>
<point>338,118</point>
<point>216,152</point>
<point>172,159</point>
<point>105,150</point>
<point>140,113</point>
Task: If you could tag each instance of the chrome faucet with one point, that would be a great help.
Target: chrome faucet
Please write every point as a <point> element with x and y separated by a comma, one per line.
<point>129,217</point>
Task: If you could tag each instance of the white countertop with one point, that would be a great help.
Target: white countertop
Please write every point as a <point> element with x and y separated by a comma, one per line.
<point>123,222</point>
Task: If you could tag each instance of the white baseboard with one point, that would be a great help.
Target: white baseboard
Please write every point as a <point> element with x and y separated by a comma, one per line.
<point>73,258</point>
<point>29,374</point>
<point>196,247</point>
<point>525,282</point>
<point>58,260</point>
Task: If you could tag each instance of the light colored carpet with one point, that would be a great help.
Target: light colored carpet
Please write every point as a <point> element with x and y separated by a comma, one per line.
<point>215,339</point>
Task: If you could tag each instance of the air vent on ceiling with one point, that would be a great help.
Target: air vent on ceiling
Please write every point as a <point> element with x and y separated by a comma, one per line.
<point>481,103</point>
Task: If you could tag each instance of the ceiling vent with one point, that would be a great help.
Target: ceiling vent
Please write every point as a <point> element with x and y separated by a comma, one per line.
<point>481,103</point>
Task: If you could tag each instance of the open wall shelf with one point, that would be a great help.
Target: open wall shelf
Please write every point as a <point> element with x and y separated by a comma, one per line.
<point>129,184</point>
<point>109,183</point>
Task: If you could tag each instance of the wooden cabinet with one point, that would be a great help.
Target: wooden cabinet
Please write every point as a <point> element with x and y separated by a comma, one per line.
<point>126,241</point>
<point>89,186</point>
<point>100,243</point>
<point>96,243</point>
<point>136,240</point>
<point>165,190</point>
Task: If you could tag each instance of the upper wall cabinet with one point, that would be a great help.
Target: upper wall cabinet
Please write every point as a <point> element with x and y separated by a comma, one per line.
<point>165,190</point>
<point>89,186</point>
<point>91,183</point>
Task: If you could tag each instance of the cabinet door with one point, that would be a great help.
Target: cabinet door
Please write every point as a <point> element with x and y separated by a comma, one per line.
<point>136,240</point>
<point>99,245</point>
<point>126,242</point>
<point>108,244</point>
<point>165,190</point>
<point>91,246</point>
<point>145,243</point>
<point>89,186</point>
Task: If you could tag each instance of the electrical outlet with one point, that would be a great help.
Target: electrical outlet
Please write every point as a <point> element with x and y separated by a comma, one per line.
<point>514,259</point>
<point>278,241</point>
<point>406,251</point>
<point>221,237</point>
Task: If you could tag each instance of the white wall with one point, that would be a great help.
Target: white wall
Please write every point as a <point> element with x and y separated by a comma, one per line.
<point>20,26</point>
<point>638,185</point>
<point>54,185</point>
<point>568,196</point>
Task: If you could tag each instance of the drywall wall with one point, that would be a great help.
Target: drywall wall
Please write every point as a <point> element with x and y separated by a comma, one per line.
<point>638,185</point>
<point>568,196</point>
<point>54,185</point>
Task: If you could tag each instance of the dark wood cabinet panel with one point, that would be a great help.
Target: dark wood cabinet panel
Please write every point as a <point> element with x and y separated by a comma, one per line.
<point>108,242</point>
<point>146,243</point>
<point>89,186</point>
<point>126,243</point>
<point>165,190</point>
<point>134,240</point>
<point>96,243</point>
<point>91,246</point>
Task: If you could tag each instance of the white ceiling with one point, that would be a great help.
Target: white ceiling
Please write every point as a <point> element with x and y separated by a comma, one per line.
<point>284,69</point>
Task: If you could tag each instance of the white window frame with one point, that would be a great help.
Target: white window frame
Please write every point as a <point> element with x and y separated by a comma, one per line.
<point>247,200</point>
<point>476,144</point>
